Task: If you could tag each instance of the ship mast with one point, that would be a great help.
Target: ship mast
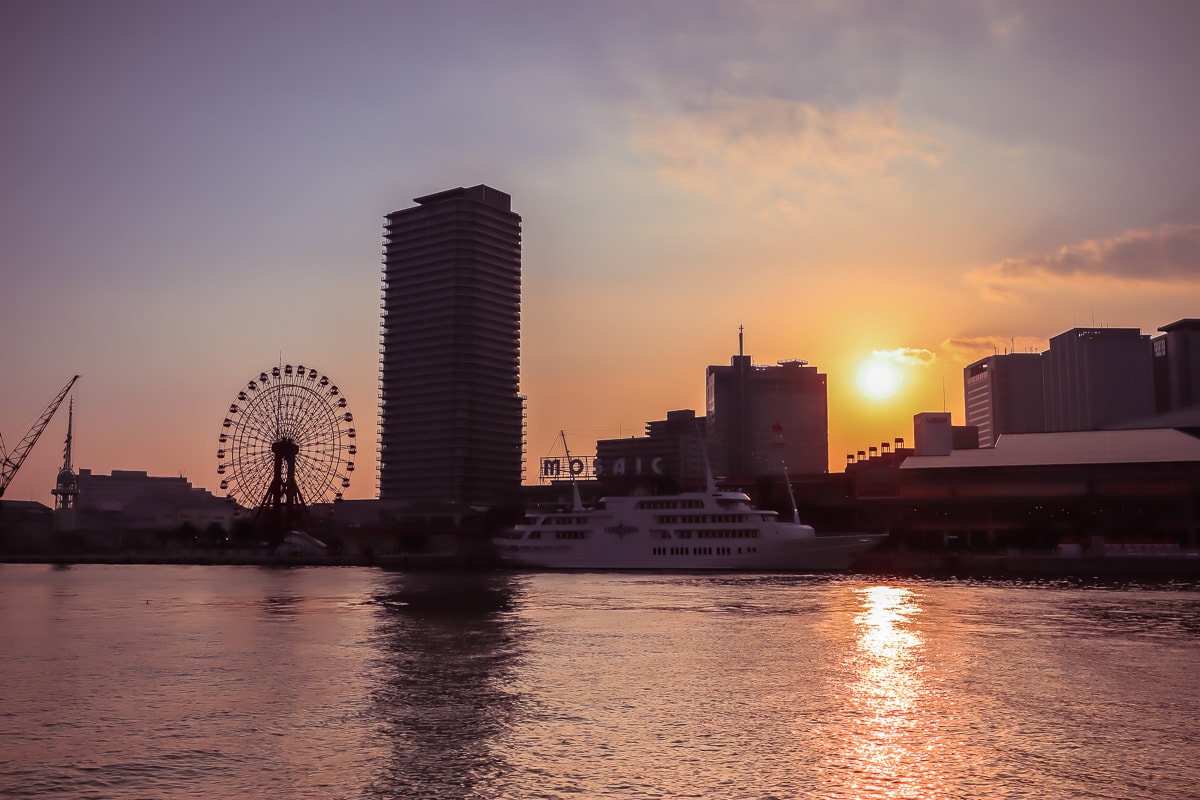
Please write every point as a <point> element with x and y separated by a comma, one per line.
<point>576,500</point>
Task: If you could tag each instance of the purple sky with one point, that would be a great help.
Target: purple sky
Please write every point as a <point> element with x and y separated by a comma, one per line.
<point>193,192</point>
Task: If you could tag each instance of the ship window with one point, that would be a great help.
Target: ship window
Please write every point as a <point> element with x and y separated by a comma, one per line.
<point>566,520</point>
<point>656,504</point>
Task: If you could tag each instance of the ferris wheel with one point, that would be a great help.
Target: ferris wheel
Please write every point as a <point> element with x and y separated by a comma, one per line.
<point>287,441</point>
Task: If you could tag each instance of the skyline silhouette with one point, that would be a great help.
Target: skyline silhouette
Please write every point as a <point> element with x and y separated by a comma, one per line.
<point>193,192</point>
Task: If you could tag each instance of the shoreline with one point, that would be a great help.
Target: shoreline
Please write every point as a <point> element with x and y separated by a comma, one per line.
<point>893,564</point>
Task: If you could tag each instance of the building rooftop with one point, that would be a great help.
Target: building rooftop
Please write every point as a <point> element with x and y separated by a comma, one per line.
<point>481,192</point>
<point>1161,445</point>
<point>1180,418</point>
<point>26,506</point>
<point>1182,325</point>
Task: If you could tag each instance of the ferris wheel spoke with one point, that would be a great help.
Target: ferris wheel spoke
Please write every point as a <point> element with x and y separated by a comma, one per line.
<point>316,431</point>
<point>256,458</point>
<point>259,420</point>
<point>323,465</point>
<point>252,473</point>
<point>321,423</point>
<point>310,477</point>
<point>293,421</point>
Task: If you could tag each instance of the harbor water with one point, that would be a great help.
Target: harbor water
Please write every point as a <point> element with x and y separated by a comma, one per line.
<point>124,682</point>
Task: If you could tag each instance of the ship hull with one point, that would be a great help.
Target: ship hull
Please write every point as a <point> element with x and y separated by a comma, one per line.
<point>817,553</point>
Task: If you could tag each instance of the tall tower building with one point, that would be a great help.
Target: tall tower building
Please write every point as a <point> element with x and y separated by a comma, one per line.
<point>1094,378</point>
<point>1004,395</point>
<point>451,414</point>
<point>763,417</point>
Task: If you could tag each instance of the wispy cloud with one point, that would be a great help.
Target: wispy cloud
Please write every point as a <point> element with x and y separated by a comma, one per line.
<point>906,356</point>
<point>1168,254</point>
<point>968,349</point>
<point>734,143</point>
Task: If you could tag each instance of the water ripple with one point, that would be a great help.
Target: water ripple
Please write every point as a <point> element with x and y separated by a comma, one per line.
<point>232,682</point>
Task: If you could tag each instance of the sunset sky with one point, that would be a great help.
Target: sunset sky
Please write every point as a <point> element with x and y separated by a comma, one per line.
<point>194,192</point>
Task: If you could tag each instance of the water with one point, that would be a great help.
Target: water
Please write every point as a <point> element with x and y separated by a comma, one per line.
<point>174,682</point>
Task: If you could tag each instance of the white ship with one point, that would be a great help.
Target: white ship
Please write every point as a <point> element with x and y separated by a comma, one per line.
<point>712,530</point>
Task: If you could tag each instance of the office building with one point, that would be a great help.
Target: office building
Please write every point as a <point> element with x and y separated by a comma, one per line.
<point>1004,395</point>
<point>1096,378</point>
<point>451,415</point>
<point>1177,366</point>
<point>761,418</point>
<point>671,453</point>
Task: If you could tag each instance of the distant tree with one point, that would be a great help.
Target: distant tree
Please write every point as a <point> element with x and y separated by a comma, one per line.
<point>187,534</point>
<point>214,535</point>
<point>243,533</point>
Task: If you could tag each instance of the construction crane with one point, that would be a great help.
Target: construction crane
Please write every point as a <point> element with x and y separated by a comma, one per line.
<point>11,462</point>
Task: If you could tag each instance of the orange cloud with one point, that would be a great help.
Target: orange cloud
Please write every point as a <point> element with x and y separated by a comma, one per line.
<point>767,143</point>
<point>1168,254</point>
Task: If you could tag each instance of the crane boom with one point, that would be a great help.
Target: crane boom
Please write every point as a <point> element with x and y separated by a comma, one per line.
<point>11,462</point>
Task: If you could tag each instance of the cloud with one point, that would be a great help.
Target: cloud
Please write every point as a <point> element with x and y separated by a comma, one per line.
<point>906,356</point>
<point>1168,254</point>
<point>970,349</point>
<point>768,144</point>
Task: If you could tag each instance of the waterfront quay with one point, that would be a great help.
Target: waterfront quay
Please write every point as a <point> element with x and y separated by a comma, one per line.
<point>468,553</point>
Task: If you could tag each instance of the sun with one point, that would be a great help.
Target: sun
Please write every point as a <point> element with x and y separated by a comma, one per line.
<point>878,380</point>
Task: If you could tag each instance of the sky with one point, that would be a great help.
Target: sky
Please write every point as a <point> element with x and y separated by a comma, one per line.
<point>195,192</point>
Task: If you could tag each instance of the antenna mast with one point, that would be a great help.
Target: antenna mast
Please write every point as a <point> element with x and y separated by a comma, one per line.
<point>67,488</point>
<point>70,427</point>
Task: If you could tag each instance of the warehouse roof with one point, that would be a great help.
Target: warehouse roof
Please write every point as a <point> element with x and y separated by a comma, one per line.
<point>1161,445</point>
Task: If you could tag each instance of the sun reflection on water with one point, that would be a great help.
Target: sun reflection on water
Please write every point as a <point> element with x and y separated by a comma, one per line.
<point>886,697</point>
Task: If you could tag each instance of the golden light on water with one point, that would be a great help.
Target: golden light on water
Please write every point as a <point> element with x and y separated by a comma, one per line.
<point>887,696</point>
<point>883,631</point>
